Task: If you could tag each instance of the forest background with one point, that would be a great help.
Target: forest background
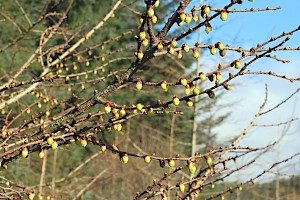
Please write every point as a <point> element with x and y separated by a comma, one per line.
<point>34,34</point>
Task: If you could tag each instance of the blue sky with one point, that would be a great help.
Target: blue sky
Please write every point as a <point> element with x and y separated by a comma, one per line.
<point>246,30</point>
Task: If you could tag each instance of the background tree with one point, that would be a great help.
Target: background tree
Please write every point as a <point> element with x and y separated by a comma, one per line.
<point>117,77</point>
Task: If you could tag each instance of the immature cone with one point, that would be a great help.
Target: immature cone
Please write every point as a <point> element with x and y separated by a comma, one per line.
<point>116,115</point>
<point>171,163</point>
<point>183,81</point>
<point>223,15</point>
<point>206,9</point>
<point>115,110</point>
<point>145,42</point>
<point>181,187</point>
<point>139,84</point>
<point>203,14</point>
<point>42,154</point>
<point>147,159</point>
<point>195,53</point>
<point>107,108</point>
<point>140,54</point>
<point>163,85</point>
<point>124,159</point>
<point>103,148</point>
<point>190,103</point>
<point>208,28</point>
<point>185,47</point>
<point>208,160</point>
<point>83,142</point>
<point>171,50</point>
<point>7,183</point>
<point>187,90</point>
<point>31,196</point>
<point>182,16</point>
<point>142,35</point>
<point>139,106</point>
<point>213,50</point>
<point>218,76</point>
<point>4,134</point>
<point>176,101</point>
<point>202,76</point>
<point>196,91</point>
<point>154,19</point>
<point>118,127</point>
<point>25,152</point>
<point>237,64</point>
<point>227,87</point>
<point>54,145</point>
<point>192,168</point>
<point>192,86</point>
<point>150,11</point>
<point>156,4</point>
<point>160,46</point>
<point>50,140</point>
<point>166,111</point>
<point>188,19</point>
<point>195,18</point>
<point>179,54</point>
<point>174,42</point>
<point>122,112</point>
<point>220,46</point>
<point>180,23</point>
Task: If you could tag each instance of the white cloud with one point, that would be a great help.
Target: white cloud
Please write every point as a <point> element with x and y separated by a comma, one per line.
<point>247,99</point>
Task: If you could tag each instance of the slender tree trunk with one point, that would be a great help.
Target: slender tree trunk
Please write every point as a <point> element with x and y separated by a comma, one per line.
<point>54,172</point>
<point>171,142</point>
<point>172,134</point>
<point>43,173</point>
<point>195,125</point>
<point>277,184</point>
